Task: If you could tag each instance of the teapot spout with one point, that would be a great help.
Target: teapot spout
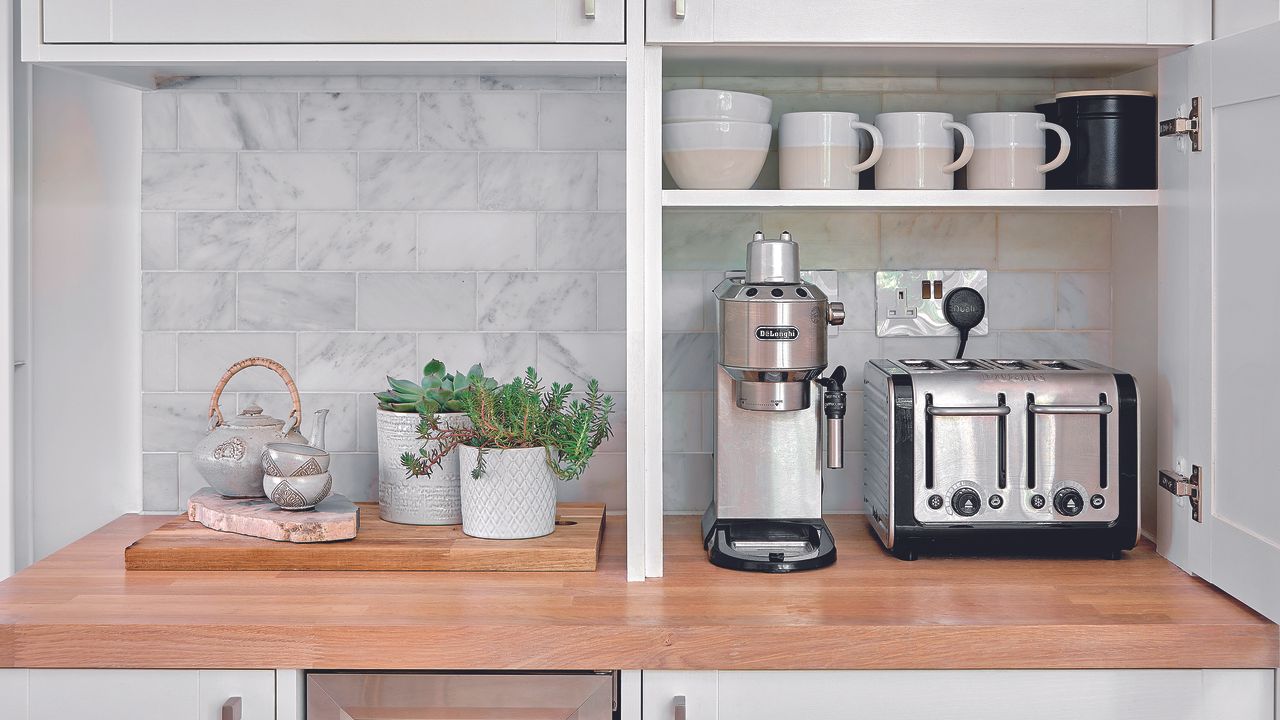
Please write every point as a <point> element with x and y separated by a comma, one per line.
<point>316,439</point>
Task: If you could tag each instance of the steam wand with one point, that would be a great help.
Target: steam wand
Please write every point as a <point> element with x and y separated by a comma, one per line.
<point>833,406</point>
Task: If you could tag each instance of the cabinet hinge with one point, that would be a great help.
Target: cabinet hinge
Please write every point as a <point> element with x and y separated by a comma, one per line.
<point>1189,125</point>
<point>1183,486</point>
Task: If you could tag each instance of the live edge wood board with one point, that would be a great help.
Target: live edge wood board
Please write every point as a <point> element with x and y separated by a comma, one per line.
<point>81,608</point>
<point>181,544</point>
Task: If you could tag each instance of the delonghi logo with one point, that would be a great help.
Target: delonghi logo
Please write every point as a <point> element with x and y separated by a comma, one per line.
<point>1014,377</point>
<point>777,332</point>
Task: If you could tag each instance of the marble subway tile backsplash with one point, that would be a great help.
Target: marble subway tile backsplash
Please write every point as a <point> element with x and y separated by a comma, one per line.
<point>355,227</point>
<point>1049,292</point>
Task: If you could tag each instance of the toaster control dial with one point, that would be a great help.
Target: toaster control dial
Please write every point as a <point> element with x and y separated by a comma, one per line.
<point>1068,502</point>
<point>966,502</point>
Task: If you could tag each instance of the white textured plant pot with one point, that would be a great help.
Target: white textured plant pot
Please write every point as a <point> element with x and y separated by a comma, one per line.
<point>515,497</point>
<point>434,500</point>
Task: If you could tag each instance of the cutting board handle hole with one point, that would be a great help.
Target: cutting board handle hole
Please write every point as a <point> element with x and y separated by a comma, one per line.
<point>563,523</point>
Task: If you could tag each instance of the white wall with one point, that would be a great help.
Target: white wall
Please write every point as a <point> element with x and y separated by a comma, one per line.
<point>1233,16</point>
<point>84,309</point>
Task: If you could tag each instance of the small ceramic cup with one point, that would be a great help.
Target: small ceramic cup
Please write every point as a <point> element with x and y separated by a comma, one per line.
<point>1009,150</point>
<point>918,151</point>
<point>293,460</point>
<point>823,150</point>
<point>300,492</point>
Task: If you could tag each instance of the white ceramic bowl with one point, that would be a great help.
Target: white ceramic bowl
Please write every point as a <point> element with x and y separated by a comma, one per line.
<point>695,105</point>
<point>715,155</point>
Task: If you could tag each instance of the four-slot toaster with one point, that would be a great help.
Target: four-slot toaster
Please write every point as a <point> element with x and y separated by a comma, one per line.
<point>1014,455</point>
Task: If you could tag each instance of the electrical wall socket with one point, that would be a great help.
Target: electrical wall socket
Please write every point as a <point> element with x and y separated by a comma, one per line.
<point>909,302</point>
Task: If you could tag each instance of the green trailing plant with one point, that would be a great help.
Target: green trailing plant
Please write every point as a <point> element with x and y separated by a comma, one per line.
<point>439,391</point>
<point>520,414</point>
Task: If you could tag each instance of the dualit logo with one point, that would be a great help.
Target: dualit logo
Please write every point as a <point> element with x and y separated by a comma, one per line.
<point>1014,377</point>
<point>777,332</point>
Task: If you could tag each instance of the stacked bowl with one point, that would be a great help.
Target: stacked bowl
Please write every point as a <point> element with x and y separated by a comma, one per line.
<point>715,139</point>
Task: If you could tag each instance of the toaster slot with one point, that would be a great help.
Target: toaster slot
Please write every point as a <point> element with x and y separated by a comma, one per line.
<point>1101,411</point>
<point>1000,411</point>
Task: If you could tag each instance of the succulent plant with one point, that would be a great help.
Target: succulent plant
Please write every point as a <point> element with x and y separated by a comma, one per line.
<point>439,391</point>
<point>520,414</point>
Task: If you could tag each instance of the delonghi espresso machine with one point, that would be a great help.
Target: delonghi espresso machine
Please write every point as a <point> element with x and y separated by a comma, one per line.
<point>766,514</point>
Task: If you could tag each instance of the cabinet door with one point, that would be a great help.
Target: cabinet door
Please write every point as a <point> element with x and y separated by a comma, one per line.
<point>996,695</point>
<point>680,695</point>
<point>1218,336</point>
<point>135,694</point>
<point>1095,22</point>
<point>332,21</point>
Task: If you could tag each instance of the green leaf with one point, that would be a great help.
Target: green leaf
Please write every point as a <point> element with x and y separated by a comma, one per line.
<point>435,367</point>
<point>431,382</point>
<point>454,406</point>
<point>402,407</point>
<point>387,396</point>
<point>404,386</point>
<point>428,407</point>
<point>462,382</point>
<point>476,372</point>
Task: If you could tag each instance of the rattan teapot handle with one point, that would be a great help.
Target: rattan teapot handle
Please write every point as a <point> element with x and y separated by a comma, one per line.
<point>295,415</point>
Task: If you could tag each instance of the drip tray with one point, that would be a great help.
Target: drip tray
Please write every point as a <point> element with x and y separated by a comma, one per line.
<point>770,545</point>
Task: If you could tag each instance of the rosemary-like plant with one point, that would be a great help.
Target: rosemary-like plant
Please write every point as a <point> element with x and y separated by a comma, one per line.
<point>520,414</point>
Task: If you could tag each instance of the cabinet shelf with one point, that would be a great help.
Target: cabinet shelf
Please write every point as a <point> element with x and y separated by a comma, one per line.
<point>913,199</point>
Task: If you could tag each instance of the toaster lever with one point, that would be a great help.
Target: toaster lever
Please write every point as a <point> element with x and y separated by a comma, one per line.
<point>942,411</point>
<point>1102,409</point>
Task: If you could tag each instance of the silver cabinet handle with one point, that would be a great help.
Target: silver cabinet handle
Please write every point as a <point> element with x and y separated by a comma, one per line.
<point>679,9</point>
<point>589,9</point>
<point>679,699</point>
<point>939,411</point>
<point>1103,409</point>
<point>231,709</point>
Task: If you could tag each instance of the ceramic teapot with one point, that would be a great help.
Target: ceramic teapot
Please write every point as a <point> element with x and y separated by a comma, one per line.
<point>229,458</point>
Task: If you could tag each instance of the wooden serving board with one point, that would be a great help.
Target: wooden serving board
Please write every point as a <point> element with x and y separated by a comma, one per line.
<point>181,544</point>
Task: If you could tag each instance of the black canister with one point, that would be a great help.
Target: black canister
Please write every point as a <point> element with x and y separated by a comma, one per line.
<point>1113,140</point>
<point>1054,179</point>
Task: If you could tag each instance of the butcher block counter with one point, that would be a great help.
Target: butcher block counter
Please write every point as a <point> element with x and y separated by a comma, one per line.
<point>80,608</point>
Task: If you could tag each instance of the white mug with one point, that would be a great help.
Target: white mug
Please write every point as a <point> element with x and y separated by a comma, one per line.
<point>823,150</point>
<point>1009,151</point>
<point>918,149</point>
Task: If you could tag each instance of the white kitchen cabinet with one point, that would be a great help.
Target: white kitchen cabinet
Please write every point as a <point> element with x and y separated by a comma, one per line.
<point>1217,227</point>
<point>329,21</point>
<point>135,694</point>
<point>986,22</point>
<point>962,694</point>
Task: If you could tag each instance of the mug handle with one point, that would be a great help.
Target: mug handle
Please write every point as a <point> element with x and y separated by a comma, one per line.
<point>877,145</point>
<point>966,152</point>
<point>1055,163</point>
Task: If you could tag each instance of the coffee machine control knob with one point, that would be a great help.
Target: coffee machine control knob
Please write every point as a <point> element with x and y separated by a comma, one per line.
<point>835,313</point>
<point>966,502</point>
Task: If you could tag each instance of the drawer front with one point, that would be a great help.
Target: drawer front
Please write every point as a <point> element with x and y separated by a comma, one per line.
<point>344,696</point>
<point>135,694</point>
<point>997,694</point>
<point>903,21</point>
<point>332,21</point>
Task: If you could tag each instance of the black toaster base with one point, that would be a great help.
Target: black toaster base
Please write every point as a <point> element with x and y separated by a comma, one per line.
<point>1037,540</point>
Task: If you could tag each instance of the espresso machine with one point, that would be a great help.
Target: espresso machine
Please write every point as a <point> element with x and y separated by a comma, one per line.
<point>771,401</point>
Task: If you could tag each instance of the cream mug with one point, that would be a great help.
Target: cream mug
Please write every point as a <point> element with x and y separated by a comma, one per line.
<point>1008,151</point>
<point>823,150</point>
<point>918,151</point>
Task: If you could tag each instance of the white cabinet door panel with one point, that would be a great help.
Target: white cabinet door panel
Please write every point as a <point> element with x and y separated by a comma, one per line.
<point>994,695</point>
<point>330,21</point>
<point>1220,374</point>
<point>916,21</point>
<point>137,694</point>
<point>662,688</point>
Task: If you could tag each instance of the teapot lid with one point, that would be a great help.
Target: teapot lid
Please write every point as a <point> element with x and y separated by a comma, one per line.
<point>252,417</point>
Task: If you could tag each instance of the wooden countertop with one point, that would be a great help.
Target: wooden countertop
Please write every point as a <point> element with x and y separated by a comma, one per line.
<point>80,608</point>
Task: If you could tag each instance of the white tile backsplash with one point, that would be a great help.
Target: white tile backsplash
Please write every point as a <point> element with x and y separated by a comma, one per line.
<point>353,228</point>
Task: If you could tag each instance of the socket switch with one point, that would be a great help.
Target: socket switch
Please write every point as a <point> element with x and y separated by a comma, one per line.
<point>909,302</point>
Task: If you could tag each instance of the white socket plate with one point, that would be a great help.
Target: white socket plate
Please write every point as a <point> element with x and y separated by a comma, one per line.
<point>911,314</point>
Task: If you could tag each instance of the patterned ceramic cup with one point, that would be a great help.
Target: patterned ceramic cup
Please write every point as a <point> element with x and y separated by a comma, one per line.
<point>298,492</point>
<point>293,460</point>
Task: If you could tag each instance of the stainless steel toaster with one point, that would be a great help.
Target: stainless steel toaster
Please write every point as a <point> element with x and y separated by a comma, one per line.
<point>1011,455</point>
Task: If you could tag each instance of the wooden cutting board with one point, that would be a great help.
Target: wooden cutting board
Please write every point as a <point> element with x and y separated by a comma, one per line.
<point>181,544</point>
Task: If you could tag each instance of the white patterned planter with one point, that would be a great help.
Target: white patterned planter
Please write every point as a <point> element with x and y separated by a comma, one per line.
<point>515,498</point>
<point>434,500</point>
